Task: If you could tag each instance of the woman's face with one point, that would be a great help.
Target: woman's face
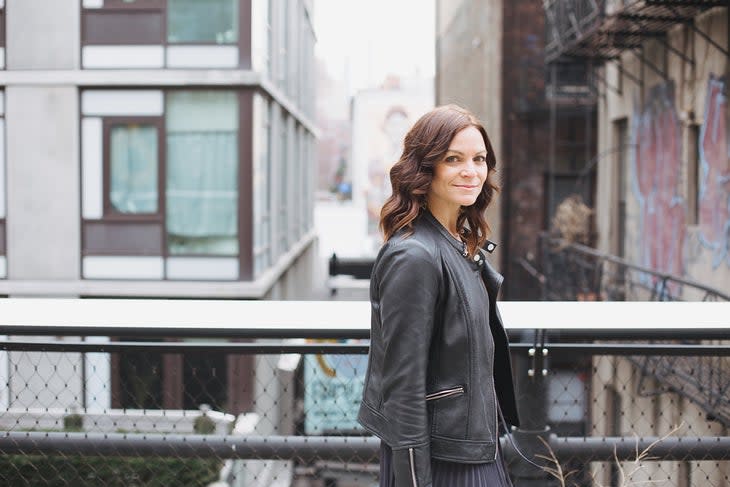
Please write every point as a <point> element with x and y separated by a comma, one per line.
<point>459,176</point>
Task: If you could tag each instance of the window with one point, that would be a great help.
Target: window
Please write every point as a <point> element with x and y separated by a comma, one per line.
<point>693,177</point>
<point>133,168</point>
<point>202,21</point>
<point>139,380</point>
<point>205,380</point>
<point>202,173</point>
<point>160,184</point>
<point>148,34</point>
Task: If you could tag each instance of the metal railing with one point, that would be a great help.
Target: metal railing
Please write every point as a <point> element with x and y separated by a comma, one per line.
<point>295,425</point>
<point>572,271</point>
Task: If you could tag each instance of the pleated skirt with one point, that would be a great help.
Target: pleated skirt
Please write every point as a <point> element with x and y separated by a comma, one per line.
<point>450,474</point>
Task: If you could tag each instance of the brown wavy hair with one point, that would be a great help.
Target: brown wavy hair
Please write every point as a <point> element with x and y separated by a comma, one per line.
<point>424,146</point>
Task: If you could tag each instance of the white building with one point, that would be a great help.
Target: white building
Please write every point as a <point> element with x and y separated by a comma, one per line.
<point>380,119</point>
<point>155,148</point>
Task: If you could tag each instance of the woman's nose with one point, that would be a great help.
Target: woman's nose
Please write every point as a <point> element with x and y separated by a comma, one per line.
<point>468,170</point>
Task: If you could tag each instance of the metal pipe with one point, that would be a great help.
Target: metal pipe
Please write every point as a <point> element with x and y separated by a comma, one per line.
<point>183,347</point>
<point>586,349</point>
<point>672,448</point>
<point>304,448</point>
<point>341,448</point>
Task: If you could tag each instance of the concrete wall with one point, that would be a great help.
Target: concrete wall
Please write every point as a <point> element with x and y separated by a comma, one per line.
<point>662,230</point>
<point>301,279</point>
<point>42,34</point>
<point>42,182</point>
<point>469,73</point>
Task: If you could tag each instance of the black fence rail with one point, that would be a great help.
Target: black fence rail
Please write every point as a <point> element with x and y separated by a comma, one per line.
<point>82,406</point>
<point>571,271</point>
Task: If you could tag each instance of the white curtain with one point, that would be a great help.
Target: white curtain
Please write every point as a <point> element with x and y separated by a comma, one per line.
<point>202,173</point>
<point>133,178</point>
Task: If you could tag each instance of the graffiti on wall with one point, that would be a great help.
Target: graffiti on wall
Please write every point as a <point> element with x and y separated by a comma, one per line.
<point>714,174</point>
<point>656,170</point>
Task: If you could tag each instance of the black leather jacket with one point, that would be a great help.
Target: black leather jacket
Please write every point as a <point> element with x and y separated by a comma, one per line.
<point>438,353</point>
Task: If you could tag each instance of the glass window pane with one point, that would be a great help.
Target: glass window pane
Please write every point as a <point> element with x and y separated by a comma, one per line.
<point>202,173</point>
<point>133,173</point>
<point>202,21</point>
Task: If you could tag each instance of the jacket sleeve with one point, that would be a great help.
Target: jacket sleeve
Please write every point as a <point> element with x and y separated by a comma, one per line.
<point>408,293</point>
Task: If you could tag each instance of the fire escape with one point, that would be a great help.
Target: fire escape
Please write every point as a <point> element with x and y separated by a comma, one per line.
<point>586,35</point>
<point>601,30</point>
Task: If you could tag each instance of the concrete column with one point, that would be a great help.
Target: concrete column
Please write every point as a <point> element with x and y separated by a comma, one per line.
<point>43,187</point>
<point>42,34</point>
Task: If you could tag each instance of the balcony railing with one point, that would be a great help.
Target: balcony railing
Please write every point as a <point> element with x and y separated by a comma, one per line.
<point>83,401</point>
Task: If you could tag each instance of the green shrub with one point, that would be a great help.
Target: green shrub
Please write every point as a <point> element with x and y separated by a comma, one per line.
<point>203,425</point>
<point>73,423</point>
<point>53,471</point>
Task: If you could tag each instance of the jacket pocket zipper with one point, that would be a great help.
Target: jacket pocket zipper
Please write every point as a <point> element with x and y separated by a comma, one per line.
<point>413,467</point>
<point>454,391</point>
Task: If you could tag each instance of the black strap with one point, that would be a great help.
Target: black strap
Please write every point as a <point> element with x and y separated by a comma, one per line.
<point>511,439</point>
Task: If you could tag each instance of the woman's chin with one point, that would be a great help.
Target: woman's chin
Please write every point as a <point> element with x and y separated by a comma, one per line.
<point>465,202</point>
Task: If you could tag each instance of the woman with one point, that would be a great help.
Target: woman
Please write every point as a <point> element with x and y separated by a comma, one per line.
<point>439,366</point>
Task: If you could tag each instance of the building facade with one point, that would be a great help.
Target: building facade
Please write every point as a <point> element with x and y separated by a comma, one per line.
<point>490,59</point>
<point>662,198</point>
<point>149,154</point>
<point>157,148</point>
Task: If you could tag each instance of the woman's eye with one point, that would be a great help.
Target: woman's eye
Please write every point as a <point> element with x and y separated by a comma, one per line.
<point>452,159</point>
<point>480,159</point>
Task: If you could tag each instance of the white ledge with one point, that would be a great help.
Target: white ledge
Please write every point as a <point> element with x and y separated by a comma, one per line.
<point>162,78</point>
<point>120,288</point>
<point>222,316</point>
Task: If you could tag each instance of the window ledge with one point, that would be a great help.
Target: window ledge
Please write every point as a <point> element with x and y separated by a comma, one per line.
<point>256,289</point>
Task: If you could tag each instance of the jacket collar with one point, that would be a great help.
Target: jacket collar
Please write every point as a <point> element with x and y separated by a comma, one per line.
<point>440,228</point>
<point>489,246</point>
<point>492,279</point>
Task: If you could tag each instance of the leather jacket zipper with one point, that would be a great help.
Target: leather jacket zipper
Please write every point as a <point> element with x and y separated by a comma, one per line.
<point>445,393</point>
<point>413,467</point>
<point>496,420</point>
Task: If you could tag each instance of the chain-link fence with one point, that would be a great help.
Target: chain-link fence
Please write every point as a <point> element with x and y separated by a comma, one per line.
<point>123,412</point>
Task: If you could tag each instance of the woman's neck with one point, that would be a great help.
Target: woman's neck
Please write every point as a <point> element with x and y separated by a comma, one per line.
<point>447,217</point>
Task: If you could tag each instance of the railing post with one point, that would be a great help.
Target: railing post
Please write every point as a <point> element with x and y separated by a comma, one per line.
<point>531,374</point>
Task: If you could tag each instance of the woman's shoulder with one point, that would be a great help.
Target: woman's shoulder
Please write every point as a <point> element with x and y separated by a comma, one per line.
<point>412,246</point>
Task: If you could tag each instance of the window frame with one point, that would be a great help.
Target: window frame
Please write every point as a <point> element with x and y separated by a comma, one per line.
<point>2,27</point>
<point>136,5</point>
<point>109,213</point>
<point>112,7</point>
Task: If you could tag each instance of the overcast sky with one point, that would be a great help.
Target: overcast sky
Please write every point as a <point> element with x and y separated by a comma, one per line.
<point>362,42</point>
